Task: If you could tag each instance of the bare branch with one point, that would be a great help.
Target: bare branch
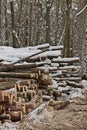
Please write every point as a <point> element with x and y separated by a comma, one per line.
<point>81,11</point>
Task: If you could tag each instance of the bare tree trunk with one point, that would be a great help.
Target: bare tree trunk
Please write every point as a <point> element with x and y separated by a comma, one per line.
<point>35,22</point>
<point>30,24</point>
<point>26,39</point>
<point>19,20</point>
<point>6,24</point>
<point>0,20</point>
<point>39,12</point>
<point>48,21</point>
<point>67,30</point>
<point>57,13</point>
<point>26,25</point>
<point>13,24</point>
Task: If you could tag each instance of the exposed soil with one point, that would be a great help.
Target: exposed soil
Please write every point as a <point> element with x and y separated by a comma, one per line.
<point>72,117</point>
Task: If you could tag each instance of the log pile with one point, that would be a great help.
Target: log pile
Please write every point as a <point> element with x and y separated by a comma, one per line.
<point>36,81</point>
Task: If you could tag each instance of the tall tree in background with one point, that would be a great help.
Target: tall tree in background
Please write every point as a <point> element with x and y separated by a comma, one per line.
<point>30,23</point>
<point>6,24</point>
<point>26,25</point>
<point>20,8</point>
<point>81,26</point>
<point>13,24</point>
<point>39,21</point>
<point>48,21</point>
<point>57,2</point>
<point>0,21</point>
<point>67,29</point>
<point>38,14</point>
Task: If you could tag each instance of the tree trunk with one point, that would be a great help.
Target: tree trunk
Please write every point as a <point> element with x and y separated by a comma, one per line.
<point>57,24</point>
<point>39,12</point>
<point>0,22</point>
<point>6,24</point>
<point>67,30</point>
<point>48,21</point>
<point>30,24</point>
<point>13,24</point>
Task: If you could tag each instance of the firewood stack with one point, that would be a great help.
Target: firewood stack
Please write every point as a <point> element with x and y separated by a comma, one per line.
<point>37,80</point>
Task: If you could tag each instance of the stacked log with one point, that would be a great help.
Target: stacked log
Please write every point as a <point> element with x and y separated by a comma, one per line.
<point>4,117</point>
<point>39,79</point>
<point>16,116</point>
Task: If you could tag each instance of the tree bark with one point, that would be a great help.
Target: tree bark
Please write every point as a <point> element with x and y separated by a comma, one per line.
<point>48,21</point>
<point>30,24</point>
<point>19,75</point>
<point>0,21</point>
<point>6,24</point>
<point>13,24</point>
<point>67,30</point>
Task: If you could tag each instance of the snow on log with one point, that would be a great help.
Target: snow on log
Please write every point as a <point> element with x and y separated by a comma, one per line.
<point>56,74</point>
<point>70,67</point>
<point>47,68</point>
<point>76,75</point>
<point>30,56</point>
<point>69,78</point>
<point>56,47</point>
<point>42,46</point>
<point>37,59</point>
<point>66,60</point>
<point>62,83</point>
<point>46,98</point>
<point>49,54</point>
<point>54,64</point>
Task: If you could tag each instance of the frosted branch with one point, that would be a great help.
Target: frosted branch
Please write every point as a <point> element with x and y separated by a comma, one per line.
<point>62,35</point>
<point>81,11</point>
